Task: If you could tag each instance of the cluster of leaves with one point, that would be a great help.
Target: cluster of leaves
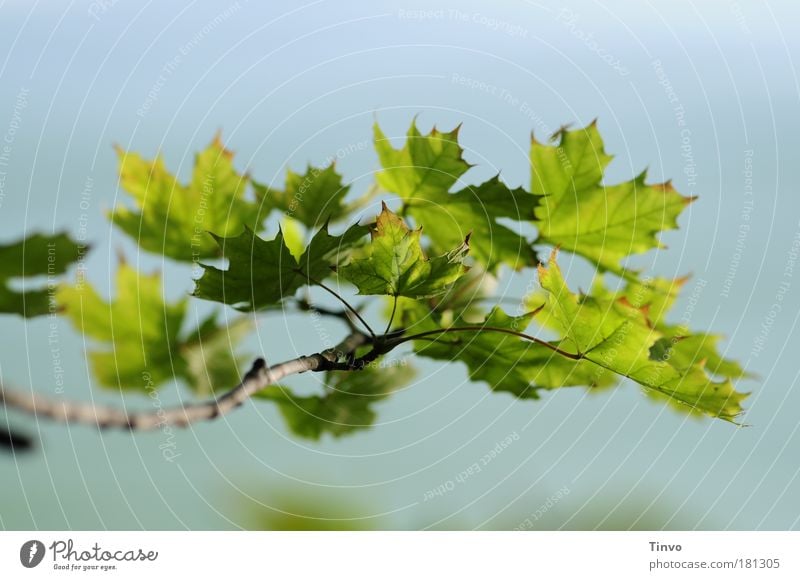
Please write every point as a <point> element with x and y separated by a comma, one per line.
<point>435,259</point>
<point>432,271</point>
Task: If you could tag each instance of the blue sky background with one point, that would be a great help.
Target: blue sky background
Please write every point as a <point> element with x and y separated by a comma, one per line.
<point>291,83</point>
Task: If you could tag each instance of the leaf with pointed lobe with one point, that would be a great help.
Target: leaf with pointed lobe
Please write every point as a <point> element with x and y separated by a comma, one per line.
<point>580,213</point>
<point>618,337</point>
<point>393,263</point>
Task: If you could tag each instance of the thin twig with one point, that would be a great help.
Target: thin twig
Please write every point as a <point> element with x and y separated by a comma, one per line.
<point>343,301</point>
<point>258,377</point>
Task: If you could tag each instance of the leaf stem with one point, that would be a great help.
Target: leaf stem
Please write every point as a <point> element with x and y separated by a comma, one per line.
<point>479,328</point>
<point>343,301</point>
<point>305,305</point>
<point>391,318</point>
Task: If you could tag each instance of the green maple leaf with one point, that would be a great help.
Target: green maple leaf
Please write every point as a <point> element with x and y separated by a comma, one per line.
<point>262,273</point>
<point>684,349</point>
<point>581,214</point>
<point>347,404</point>
<point>172,218</point>
<point>393,264</point>
<point>36,255</point>
<point>422,174</point>
<point>138,333</point>
<point>506,362</point>
<point>463,301</point>
<point>312,198</point>
<point>655,295</point>
<point>680,346</point>
<point>426,165</point>
<point>618,337</point>
<point>449,217</point>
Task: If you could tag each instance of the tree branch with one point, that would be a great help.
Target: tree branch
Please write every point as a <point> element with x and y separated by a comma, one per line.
<point>256,379</point>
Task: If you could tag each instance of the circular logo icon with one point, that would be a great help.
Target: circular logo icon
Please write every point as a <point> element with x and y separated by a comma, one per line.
<point>31,553</point>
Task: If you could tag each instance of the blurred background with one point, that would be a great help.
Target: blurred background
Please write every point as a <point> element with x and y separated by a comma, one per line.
<point>703,93</point>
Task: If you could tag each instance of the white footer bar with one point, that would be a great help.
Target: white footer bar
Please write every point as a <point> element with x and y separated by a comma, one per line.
<point>390,555</point>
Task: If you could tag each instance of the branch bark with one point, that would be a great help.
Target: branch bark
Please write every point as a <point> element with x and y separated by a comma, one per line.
<point>256,379</point>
